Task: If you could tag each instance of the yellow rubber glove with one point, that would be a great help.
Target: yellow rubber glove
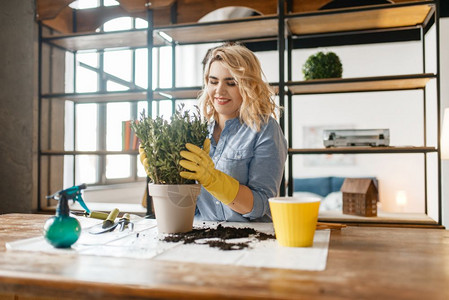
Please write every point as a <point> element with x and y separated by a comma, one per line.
<point>144,160</point>
<point>220,185</point>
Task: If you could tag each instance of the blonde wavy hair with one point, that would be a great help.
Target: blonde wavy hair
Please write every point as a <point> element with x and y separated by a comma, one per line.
<point>258,103</point>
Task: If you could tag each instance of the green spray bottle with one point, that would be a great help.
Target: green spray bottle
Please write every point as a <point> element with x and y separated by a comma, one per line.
<point>62,230</point>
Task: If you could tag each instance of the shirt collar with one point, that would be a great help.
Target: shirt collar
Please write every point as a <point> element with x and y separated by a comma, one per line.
<point>229,125</point>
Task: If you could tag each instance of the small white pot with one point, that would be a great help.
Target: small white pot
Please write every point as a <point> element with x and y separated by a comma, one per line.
<point>174,206</point>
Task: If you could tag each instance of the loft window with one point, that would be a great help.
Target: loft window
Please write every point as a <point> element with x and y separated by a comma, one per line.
<point>97,126</point>
<point>93,129</point>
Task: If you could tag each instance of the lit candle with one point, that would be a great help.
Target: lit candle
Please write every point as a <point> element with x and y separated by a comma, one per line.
<point>401,199</point>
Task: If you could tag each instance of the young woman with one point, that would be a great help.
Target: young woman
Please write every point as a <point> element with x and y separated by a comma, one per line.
<point>242,163</point>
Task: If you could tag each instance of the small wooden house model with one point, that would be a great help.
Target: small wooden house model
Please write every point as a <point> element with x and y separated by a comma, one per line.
<point>360,196</point>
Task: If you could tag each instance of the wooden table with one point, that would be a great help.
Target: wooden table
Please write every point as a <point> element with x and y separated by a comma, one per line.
<point>363,263</point>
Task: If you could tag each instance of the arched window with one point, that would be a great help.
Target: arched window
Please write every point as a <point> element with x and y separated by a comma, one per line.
<point>98,126</point>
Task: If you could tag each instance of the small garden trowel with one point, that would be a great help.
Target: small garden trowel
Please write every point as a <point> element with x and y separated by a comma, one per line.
<point>108,225</point>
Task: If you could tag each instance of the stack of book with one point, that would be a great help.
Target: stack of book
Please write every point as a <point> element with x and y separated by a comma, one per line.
<point>129,138</point>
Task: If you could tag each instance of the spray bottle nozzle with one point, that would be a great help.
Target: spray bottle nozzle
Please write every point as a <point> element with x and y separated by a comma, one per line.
<point>72,193</point>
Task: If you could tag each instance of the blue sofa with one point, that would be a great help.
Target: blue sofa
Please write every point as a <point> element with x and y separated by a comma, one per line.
<point>326,188</point>
<point>319,185</point>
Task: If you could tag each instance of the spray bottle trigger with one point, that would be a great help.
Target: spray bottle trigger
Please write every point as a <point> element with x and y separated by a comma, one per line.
<point>81,202</point>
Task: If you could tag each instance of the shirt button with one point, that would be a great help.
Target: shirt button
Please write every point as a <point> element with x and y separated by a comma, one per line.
<point>217,202</point>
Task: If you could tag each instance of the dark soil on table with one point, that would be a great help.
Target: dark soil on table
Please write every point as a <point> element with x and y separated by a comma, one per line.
<point>219,236</point>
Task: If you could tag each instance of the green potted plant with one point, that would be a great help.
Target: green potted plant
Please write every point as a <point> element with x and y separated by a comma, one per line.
<point>322,65</point>
<point>174,198</point>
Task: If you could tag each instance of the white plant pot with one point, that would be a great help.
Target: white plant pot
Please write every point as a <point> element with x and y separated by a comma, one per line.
<point>174,206</point>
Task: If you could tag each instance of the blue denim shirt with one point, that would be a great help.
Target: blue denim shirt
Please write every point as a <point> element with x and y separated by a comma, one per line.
<point>255,159</point>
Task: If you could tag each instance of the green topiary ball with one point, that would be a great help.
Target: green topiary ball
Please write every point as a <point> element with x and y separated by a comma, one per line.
<point>322,65</point>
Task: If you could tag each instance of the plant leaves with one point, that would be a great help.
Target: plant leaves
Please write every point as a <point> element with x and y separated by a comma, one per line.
<point>163,141</point>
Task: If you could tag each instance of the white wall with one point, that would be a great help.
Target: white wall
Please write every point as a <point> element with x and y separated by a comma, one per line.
<point>401,112</point>
<point>444,68</point>
<point>19,106</point>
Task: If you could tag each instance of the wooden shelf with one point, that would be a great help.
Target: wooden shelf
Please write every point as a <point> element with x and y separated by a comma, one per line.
<point>126,96</point>
<point>360,150</point>
<point>178,93</point>
<point>92,41</point>
<point>362,84</point>
<point>189,92</point>
<point>339,150</point>
<point>385,218</point>
<point>361,18</point>
<point>236,29</point>
<point>132,95</point>
<point>62,152</point>
<point>253,28</point>
<point>99,97</point>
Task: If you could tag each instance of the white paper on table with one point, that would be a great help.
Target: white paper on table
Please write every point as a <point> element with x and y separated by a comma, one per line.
<point>267,254</point>
<point>145,243</point>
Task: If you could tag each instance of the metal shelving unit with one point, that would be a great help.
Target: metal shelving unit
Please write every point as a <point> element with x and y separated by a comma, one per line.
<point>361,84</point>
<point>285,29</point>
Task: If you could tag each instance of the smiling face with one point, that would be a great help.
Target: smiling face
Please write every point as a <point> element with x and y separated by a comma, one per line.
<point>223,92</point>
